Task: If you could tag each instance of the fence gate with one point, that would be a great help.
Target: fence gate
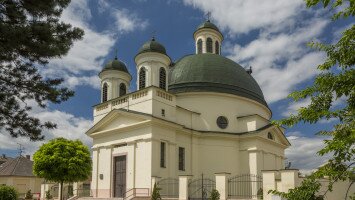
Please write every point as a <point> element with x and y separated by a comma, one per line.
<point>169,187</point>
<point>245,186</point>
<point>200,189</point>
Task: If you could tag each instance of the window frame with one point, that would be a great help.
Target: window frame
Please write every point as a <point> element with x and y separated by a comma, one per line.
<point>104,92</point>
<point>199,46</point>
<point>120,89</point>
<point>162,154</point>
<point>162,78</point>
<point>270,136</point>
<point>181,157</point>
<point>142,78</point>
<point>209,45</point>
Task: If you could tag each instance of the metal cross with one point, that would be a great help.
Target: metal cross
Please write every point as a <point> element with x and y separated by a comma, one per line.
<point>208,15</point>
<point>153,34</point>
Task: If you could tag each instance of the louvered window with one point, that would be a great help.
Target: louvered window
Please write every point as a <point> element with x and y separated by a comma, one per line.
<point>142,77</point>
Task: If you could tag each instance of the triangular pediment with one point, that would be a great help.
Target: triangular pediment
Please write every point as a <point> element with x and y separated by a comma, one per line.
<point>117,119</point>
<point>277,134</point>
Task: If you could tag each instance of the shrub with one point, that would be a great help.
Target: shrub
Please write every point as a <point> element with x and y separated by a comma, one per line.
<point>48,195</point>
<point>28,195</point>
<point>155,193</point>
<point>8,193</point>
<point>215,195</point>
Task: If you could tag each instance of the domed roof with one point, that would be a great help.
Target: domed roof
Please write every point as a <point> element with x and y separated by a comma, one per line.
<point>152,46</point>
<point>213,73</point>
<point>115,65</point>
<point>207,24</point>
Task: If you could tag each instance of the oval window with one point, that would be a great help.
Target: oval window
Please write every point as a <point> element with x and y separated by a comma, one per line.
<point>222,122</point>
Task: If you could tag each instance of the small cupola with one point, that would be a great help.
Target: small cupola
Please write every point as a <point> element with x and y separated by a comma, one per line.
<point>208,38</point>
<point>152,46</point>
<point>115,80</point>
<point>152,65</point>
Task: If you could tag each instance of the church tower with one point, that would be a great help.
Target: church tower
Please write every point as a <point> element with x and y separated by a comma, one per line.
<point>152,65</point>
<point>208,38</point>
<point>115,80</point>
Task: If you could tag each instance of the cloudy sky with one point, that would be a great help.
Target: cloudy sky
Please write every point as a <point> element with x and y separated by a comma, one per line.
<point>269,35</point>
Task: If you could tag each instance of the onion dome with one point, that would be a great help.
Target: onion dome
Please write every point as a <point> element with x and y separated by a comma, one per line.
<point>213,73</point>
<point>152,46</point>
<point>207,24</point>
<point>116,64</point>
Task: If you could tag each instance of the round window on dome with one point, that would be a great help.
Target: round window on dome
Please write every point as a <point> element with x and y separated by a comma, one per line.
<point>222,122</point>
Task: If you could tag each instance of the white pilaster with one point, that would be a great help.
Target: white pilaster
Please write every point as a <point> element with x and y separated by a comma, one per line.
<point>222,184</point>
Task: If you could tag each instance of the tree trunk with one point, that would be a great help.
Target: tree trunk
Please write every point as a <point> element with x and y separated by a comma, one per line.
<point>61,191</point>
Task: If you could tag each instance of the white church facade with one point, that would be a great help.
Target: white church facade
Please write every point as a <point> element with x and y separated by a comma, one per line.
<point>203,114</point>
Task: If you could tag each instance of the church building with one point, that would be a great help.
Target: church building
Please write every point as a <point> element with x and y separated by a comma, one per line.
<point>202,114</point>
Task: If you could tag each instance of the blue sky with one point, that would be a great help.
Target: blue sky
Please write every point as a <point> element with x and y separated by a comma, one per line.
<point>270,35</point>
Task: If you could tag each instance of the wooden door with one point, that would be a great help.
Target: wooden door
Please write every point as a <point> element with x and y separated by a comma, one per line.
<point>119,176</point>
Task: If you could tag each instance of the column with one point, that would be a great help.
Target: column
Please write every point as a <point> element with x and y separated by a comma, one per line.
<point>222,184</point>
<point>269,183</point>
<point>184,187</point>
<point>254,170</point>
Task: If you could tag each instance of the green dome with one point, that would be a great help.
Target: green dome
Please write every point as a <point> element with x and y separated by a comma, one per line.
<point>152,46</point>
<point>213,73</point>
<point>116,65</point>
<point>207,24</point>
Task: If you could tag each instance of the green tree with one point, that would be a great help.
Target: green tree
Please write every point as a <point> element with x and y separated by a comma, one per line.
<point>30,35</point>
<point>48,195</point>
<point>8,193</point>
<point>63,161</point>
<point>215,195</point>
<point>336,81</point>
<point>156,193</point>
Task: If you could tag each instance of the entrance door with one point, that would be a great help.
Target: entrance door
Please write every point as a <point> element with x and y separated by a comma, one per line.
<point>119,176</point>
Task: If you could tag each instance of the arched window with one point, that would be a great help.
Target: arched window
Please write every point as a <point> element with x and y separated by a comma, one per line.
<point>217,47</point>
<point>209,45</point>
<point>123,90</point>
<point>199,46</point>
<point>270,136</point>
<point>142,78</point>
<point>162,78</point>
<point>104,92</point>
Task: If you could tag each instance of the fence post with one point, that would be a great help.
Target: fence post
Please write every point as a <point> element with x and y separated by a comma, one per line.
<point>155,180</point>
<point>184,187</point>
<point>222,184</point>
<point>289,179</point>
<point>269,183</point>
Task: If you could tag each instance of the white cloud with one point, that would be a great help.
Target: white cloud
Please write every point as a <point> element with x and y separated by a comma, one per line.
<point>278,54</point>
<point>127,22</point>
<point>293,107</point>
<point>68,126</point>
<point>303,152</point>
<point>244,16</point>
<point>267,52</point>
<point>85,59</point>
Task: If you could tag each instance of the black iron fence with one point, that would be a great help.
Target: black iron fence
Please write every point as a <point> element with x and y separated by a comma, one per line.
<point>200,189</point>
<point>245,186</point>
<point>169,187</point>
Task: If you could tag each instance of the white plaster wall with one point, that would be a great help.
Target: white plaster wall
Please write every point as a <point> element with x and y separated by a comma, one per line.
<point>114,78</point>
<point>213,105</point>
<point>208,33</point>
<point>152,62</point>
